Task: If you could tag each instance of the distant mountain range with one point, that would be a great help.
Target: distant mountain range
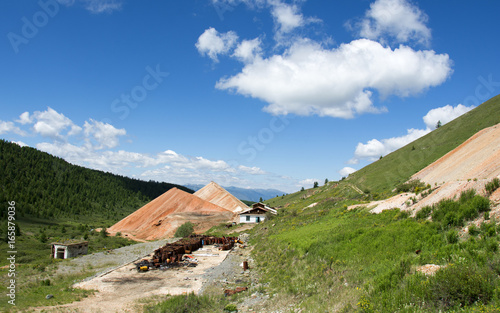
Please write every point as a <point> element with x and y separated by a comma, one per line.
<point>246,194</point>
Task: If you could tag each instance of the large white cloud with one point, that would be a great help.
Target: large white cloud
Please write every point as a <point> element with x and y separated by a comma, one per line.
<point>310,79</point>
<point>397,19</point>
<point>212,43</point>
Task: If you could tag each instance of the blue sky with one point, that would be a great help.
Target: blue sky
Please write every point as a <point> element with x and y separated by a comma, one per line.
<point>249,93</point>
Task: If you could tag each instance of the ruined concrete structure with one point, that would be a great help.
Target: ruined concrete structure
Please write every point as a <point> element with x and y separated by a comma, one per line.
<point>69,249</point>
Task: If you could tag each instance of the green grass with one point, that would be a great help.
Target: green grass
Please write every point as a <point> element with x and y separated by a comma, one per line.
<point>330,259</point>
<point>397,167</point>
<point>189,304</point>
<point>33,285</point>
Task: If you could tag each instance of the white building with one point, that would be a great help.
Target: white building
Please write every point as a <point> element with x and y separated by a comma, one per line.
<point>256,214</point>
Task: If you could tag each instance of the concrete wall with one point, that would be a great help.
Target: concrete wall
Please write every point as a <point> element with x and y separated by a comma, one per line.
<point>253,218</point>
<point>70,251</point>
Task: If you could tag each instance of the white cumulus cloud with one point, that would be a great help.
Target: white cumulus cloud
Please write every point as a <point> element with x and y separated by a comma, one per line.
<point>50,123</point>
<point>308,79</point>
<point>213,43</point>
<point>373,149</point>
<point>105,134</point>
<point>10,127</point>
<point>248,50</point>
<point>445,114</point>
<point>397,19</point>
<point>346,171</point>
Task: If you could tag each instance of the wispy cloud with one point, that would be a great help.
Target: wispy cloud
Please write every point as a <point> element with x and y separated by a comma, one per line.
<point>96,6</point>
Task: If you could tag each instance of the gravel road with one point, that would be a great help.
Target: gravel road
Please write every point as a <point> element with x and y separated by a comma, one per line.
<point>105,261</point>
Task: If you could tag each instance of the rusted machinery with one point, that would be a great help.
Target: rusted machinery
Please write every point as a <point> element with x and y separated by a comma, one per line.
<point>172,253</point>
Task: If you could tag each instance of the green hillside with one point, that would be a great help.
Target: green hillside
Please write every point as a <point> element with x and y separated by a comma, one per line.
<point>398,166</point>
<point>44,186</point>
<point>321,257</point>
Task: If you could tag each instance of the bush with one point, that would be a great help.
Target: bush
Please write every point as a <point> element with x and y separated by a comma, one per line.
<point>188,303</point>
<point>413,185</point>
<point>459,285</point>
<point>452,236</point>
<point>184,230</point>
<point>492,186</point>
<point>423,213</point>
<point>481,204</point>
<point>473,231</point>
<point>467,195</point>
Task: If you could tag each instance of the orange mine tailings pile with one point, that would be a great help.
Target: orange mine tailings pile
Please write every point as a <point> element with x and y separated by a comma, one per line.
<point>476,158</point>
<point>161,217</point>
<point>217,195</point>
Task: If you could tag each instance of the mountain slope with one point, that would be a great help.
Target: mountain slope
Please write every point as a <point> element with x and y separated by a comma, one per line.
<point>398,166</point>
<point>49,187</point>
<point>246,194</point>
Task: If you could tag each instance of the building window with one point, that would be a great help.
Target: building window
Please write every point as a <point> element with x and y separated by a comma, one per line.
<point>248,218</point>
<point>257,219</point>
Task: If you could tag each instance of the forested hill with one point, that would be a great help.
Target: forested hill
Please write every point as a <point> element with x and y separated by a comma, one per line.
<point>48,187</point>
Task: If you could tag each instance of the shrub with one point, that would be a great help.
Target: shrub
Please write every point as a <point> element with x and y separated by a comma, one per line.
<point>488,229</point>
<point>473,230</point>
<point>412,185</point>
<point>461,285</point>
<point>452,236</point>
<point>492,186</point>
<point>184,230</point>
<point>467,195</point>
<point>423,213</point>
<point>482,204</point>
<point>188,303</point>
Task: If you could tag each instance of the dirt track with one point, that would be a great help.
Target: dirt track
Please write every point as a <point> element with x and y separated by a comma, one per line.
<point>120,289</point>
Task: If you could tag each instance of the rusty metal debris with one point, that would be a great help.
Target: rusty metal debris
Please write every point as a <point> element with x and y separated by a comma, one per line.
<point>229,292</point>
<point>174,254</point>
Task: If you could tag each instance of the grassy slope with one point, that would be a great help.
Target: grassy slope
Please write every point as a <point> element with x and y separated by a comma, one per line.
<point>398,166</point>
<point>330,259</point>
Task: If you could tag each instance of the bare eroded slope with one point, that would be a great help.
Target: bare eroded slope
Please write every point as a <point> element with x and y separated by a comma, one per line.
<point>471,165</point>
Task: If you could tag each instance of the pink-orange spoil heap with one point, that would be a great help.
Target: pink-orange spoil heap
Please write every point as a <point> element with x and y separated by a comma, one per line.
<point>161,217</point>
<point>217,195</point>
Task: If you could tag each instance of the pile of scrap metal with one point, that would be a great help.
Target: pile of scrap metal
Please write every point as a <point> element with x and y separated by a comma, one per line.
<point>173,254</point>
